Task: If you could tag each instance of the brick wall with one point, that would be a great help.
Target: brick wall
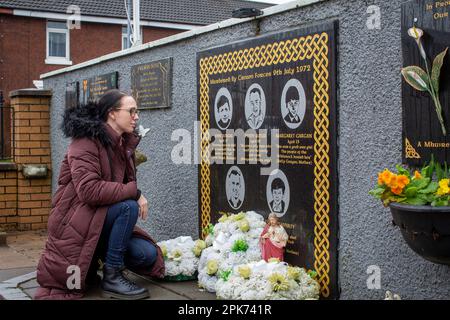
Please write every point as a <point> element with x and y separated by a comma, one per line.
<point>25,202</point>
<point>23,47</point>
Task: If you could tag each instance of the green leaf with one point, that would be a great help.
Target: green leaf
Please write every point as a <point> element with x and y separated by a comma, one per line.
<point>418,201</point>
<point>419,183</point>
<point>431,188</point>
<point>417,78</point>
<point>439,172</point>
<point>403,171</point>
<point>436,71</point>
<point>410,192</point>
<point>377,192</point>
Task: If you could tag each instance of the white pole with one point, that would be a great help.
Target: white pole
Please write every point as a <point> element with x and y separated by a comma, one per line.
<point>136,23</point>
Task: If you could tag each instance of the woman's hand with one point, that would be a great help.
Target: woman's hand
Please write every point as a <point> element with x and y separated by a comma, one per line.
<point>265,236</point>
<point>143,208</point>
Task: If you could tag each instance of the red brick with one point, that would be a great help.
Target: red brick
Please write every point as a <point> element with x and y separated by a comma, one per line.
<point>28,144</point>
<point>41,196</point>
<point>40,152</point>
<point>22,152</point>
<point>45,115</point>
<point>8,197</point>
<point>22,122</point>
<point>2,204</point>
<point>11,204</point>
<point>45,144</point>
<point>28,159</point>
<point>40,211</point>
<point>24,197</point>
<point>28,130</point>
<point>26,100</point>
<point>7,212</point>
<point>38,226</point>
<point>27,115</point>
<point>28,190</point>
<point>40,136</point>
<point>30,219</point>
<point>2,220</point>
<point>11,174</point>
<point>8,182</point>
<point>40,107</point>
<point>29,204</point>
<point>23,183</point>
<point>46,189</point>
<point>39,122</point>
<point>46,160</point>
<point>23,212</point>
<point>41,182</point>
<point>12,219</point>
<point>46,204</point>
<point>45,129</point>
<point>10,189</point>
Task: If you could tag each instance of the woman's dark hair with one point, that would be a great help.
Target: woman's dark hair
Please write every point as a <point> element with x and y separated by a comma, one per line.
<point>109,101</point>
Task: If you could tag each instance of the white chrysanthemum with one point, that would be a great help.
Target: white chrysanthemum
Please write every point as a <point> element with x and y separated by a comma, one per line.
<point>180,258</point>
<point>245,227</point>
<point>267,281</point>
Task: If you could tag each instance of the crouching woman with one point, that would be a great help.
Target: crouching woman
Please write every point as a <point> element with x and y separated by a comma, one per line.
<point>96,207</point>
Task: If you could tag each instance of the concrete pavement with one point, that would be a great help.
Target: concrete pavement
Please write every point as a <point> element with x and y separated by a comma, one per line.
<point>19,258</point>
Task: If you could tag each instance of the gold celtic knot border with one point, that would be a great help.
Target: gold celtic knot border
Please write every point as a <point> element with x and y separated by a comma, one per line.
<point>309,47</point>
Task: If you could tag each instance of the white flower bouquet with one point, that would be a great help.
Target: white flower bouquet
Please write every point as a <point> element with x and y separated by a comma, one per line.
<point>181,257</point>
<point>233,241</point>
<point>267,281</point>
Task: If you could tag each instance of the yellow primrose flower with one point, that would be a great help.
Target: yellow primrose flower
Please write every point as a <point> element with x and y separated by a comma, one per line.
<point>244,225</point>
<point>293,273</point>
<point>244,271</point>
<point>278,282</point>
<point>443,187</point>
<point>273,260</point>
<point>212,266</point>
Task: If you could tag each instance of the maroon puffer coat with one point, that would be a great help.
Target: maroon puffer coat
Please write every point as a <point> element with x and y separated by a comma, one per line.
<point>91,179</point>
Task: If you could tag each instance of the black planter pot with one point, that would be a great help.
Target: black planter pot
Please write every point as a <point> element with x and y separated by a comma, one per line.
<point>426,229</point>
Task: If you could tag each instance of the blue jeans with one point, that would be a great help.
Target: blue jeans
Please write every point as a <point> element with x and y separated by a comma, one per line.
<point>122,249</point>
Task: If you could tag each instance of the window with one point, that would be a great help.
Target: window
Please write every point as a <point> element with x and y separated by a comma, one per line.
<point>58,44</point>
<point>124,37</point>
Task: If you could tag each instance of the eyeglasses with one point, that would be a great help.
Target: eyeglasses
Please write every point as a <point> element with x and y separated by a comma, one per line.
<point>133,111</point>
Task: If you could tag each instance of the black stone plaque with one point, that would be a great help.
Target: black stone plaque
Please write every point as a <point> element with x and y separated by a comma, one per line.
<point>151,84</point>
<point>274,96</point>
<point>95,87</point>
<point>422,133</point>
<point>72,94</point>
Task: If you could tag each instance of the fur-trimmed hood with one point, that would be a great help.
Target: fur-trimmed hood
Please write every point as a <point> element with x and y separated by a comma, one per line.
<point>84,121</point>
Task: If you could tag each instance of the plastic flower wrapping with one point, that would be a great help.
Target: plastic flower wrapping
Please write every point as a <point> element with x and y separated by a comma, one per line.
<point>267,281</point>
<point>181,255</point>
<point>233,241</point>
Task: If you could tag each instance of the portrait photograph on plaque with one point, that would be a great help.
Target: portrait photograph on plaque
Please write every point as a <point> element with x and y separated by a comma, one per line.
<point>275,109</point>
<point>151,84</point>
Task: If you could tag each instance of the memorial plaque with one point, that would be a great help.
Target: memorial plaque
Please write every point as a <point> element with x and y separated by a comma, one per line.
<point>267,112</point>
<point>151,84</point>
<point>72,94</point>
<point>95,87</point>
<point>422,131</point>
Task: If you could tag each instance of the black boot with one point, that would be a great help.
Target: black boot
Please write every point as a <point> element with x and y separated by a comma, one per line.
<point>115,285</point>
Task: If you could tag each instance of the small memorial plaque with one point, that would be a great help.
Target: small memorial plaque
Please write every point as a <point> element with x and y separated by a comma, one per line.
<point>95,87</point>
<point>426,128</point>
<point>151,84</point>
<point>72,94</point>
